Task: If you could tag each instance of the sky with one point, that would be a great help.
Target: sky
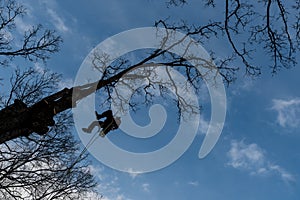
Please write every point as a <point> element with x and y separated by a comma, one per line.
<point>257,155</point>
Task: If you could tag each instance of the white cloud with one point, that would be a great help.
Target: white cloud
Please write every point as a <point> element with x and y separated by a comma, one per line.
<point>40,68</point>
<point>97,171</point>
<point>93,195</point>
<point>288,112</point>
<point>107,184</point>
<point>145,187</point>
<point>252,158</point>
<point>22,25</point>
<point>57,20</point>
<point>203,125</point>
<point>286,176</point>
<point>132,173</point>
<point>65,83</point>
<point>245,85</point>
<point>52,8</point>
<point>245,156</point>
<point>193,183</point>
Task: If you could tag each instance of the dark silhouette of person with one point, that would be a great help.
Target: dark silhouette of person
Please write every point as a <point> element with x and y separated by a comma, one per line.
<point>109,124</point>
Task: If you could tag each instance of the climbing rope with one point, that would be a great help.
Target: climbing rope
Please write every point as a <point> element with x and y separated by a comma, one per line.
<point>89,144</point>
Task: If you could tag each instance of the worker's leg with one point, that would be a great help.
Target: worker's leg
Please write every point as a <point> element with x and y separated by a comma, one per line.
<point>91,127</point>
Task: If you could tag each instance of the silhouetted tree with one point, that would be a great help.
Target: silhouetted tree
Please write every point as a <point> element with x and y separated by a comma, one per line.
<point>37,43</point>
<point>36,167</point>
<point>268,26</point>
<point>42,167</point>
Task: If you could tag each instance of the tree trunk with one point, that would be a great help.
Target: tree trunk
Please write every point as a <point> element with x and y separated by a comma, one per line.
<point>18,120</point>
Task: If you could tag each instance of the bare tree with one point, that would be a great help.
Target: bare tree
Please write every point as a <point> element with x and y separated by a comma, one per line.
<point>51,166</point>
<point>37,43</point>
<point>272,31</point>
<point>247,26</point>
<point>47,167</point>
<point>269,27</point>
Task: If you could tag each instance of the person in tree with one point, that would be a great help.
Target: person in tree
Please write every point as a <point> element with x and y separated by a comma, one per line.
<point>109,124</point>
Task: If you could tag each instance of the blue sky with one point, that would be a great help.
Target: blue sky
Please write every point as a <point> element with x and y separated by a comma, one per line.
<point>258,154</point>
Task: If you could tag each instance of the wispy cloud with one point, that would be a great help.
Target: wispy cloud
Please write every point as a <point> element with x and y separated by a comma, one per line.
<point>118,197</point>
<point>53,14</point>
<point>146,187</point>
<point>203,125</point>
<point>133,174</point>
<point>193,183</point>
<point>288,112</point>
<point>252,158</point>
<point>23,25</point>
<point>65,83</point>
<point>107,184</point>
<point>57,20</point>
<point>245,85</point>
